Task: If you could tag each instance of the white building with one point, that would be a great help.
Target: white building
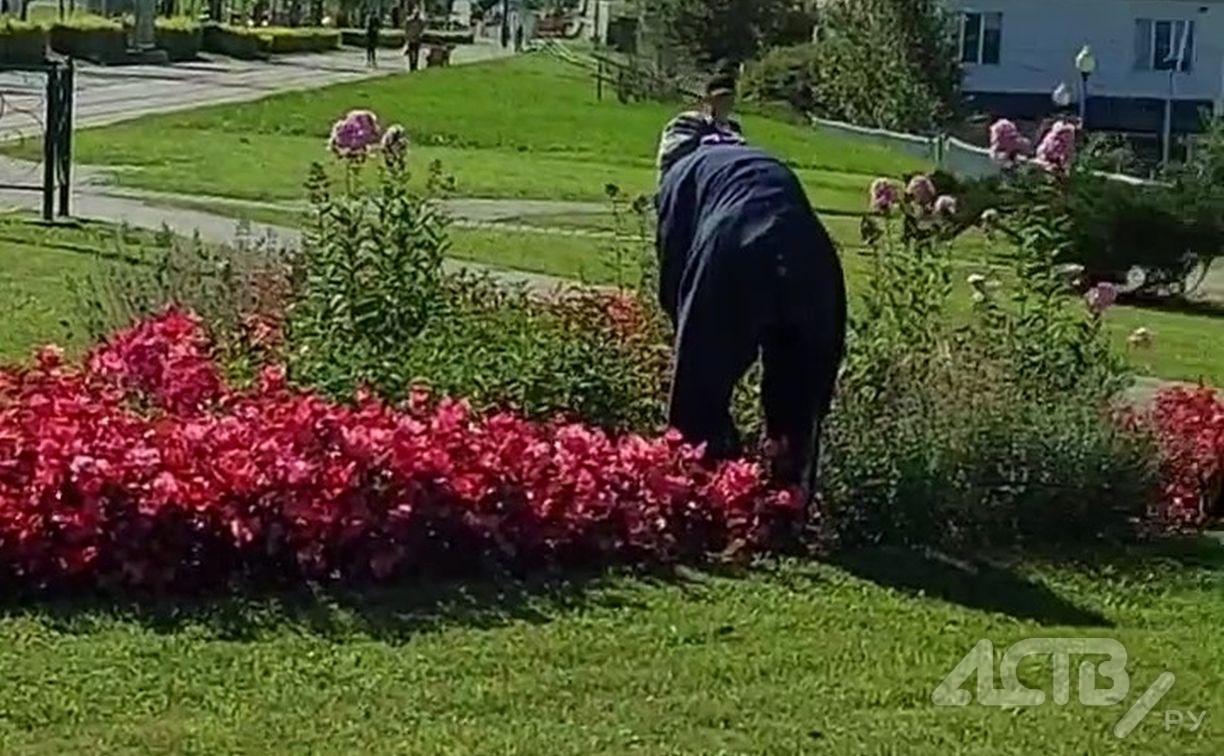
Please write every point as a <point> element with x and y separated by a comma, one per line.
<point>1016,53</point>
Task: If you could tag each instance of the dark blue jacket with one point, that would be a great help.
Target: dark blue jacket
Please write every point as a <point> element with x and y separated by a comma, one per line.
<point>720,207</point>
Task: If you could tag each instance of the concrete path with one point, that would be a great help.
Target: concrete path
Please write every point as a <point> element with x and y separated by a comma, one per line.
<point>218,229</point>
<point>112,94</point>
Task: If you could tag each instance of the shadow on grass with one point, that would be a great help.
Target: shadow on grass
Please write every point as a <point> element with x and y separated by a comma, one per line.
<point>974,584</point>
<point>396,614</point>
<point>391,614</point>
<point>1178,305</point>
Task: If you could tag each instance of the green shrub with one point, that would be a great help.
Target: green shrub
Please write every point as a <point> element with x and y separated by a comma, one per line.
<point>1115,227</point>
<point>883,63</point>
<point>787,75</point>
<point>22,42</point>
<point>1110,227</point>
<point>259,42</point>
<point>181,38</point>
<point>371,280</point>
<point>959,460</point>
<point>711,32</point>
<point>232,41</point>
<point>999,431</point>
<point>229,286</point>
<point>278,41</point>
<point>558,356</point>
<point>374,309</point>
<point>92,38</point>
<point>88,22</point>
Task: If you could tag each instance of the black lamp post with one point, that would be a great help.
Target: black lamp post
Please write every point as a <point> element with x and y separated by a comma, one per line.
<point>1086,64</point>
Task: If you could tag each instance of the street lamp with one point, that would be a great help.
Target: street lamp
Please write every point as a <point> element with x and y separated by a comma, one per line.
<point>1085,63</point>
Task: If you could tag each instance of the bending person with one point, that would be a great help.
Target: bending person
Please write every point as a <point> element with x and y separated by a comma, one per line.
<point>746,271</point>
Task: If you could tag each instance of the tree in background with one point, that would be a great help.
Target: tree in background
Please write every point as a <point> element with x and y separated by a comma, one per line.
<point>713,32</point>
<point>884,63</point>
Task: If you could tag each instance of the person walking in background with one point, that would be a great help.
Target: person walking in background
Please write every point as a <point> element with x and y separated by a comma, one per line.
<point>373,30</point>
<point>518,39</point>
<point>414,35</point>
<point>747,271</point>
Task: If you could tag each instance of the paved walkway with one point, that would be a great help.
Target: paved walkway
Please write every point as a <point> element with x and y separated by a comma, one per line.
<point>111,94</point>
<point>218,229</point>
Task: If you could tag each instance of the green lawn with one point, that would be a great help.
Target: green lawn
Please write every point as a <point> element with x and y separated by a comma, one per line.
<point>525,128</point>
<point>784,659</point>
<point>35,263</point>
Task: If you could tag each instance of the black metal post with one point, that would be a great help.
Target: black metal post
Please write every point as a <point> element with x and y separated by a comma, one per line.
<point>49,140</point>
<point>68,92</point>
<point>1083,104</point>
<point>505,30</point>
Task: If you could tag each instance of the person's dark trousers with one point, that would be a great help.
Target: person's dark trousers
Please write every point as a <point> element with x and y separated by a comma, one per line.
<point>371,55</point>
<point>414,55</point>
<point>780,301</point>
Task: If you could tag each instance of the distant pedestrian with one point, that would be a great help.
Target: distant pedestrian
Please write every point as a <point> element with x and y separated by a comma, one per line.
<point>414,35</point>
<point>518,39</point>
<point>373,29</point>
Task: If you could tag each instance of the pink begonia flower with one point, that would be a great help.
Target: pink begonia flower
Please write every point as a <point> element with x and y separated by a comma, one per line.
<point>945,206</point>
<point>354,135</point>
<point>884,195</point>
<point>921,189</point>
<point>1101,297</point>
<point>1007,146</point>
<point>1057,149</point>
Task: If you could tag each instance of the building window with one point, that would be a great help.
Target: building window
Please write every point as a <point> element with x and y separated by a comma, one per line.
<point>1160,45</point>
<point>981,38</point>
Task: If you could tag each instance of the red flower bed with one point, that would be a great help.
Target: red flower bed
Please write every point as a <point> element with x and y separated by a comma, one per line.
<point>143,469</point>
<point>1190,427</point>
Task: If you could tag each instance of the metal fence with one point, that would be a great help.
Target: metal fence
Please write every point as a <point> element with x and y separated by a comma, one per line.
<point>947,153</point>
<point>55,125</point>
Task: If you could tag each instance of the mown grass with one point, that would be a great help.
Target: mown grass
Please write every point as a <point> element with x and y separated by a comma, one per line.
<point>1189,346</point>
<point>37,264</point>
<point>530,127</point>
<point>786,658</point>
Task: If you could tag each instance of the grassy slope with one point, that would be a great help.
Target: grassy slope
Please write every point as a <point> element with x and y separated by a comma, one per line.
<point>529,127</point>
<point>789,659</point>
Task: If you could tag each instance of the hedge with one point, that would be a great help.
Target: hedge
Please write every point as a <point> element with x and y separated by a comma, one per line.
<point>181,38</point>
<point>21,42</point>
<point>276,40</point>
<point>232,41</point>
<point>395,37</point>
<point>238,42</point>
<point>91,38</point>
